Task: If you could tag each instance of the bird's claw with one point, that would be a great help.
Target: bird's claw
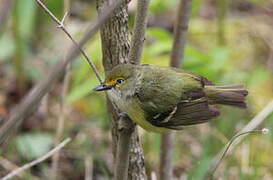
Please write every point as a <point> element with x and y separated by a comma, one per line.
<point>123,115</point>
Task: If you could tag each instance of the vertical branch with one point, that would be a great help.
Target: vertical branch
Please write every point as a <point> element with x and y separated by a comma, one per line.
<point>136,168</point>
<point>167,141</point>
<point>128,126</point>
<point>126,129</point>
<point>62,116</point>
<point>139,31</point>
<point>18,60</point>
<point>177,55</point>
<point>180,33</point>
<point>129,159</point>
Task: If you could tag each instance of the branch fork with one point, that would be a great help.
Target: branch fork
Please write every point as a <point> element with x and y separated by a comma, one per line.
<point>61,24</point>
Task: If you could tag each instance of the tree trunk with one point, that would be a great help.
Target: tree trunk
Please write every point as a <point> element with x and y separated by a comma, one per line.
<point>115,50</point>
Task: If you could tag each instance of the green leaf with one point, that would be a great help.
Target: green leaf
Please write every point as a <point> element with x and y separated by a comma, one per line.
<point>33,145</point>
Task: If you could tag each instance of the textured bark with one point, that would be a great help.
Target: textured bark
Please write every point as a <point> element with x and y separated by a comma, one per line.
<point>115,49</point>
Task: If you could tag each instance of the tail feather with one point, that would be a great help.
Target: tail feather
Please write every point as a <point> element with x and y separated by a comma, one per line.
<point>233,95</point>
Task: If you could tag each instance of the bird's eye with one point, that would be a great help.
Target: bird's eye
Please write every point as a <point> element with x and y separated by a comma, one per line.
<point>119,81</point>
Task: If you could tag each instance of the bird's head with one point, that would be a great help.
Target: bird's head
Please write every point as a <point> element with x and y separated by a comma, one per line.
<point>121,77</point>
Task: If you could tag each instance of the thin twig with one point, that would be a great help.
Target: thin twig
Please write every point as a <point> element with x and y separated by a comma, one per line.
<point>37,161</point>
<point>258,119</point>
<point>62,115</point>
<point>177,56</point>
<point>29,103</point>
<point>253,124</point>
<point>6,164</point>
<point>62,27</point>
<point>224,153</point>
<point>9,166</point>
<point>138,38</point>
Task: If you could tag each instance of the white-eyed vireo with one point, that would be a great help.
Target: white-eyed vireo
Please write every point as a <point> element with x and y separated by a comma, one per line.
<point>161,98</point>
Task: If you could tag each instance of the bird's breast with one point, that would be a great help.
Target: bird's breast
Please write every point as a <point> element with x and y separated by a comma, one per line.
<point>131,106</point>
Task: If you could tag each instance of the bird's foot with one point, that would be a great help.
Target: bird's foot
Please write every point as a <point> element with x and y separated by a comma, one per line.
<point>123,115</point>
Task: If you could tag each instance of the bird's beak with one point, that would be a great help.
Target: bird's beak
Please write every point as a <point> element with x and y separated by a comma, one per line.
<point>102,87</point>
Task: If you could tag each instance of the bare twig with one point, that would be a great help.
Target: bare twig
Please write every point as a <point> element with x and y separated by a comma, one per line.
<point>139,31</point>
<point>6,164</point>
<point>61,26</point>
<point>258,119</point>
<point>62,115</point>
<point>127,129</point>
<point>233,139</point>
<point>9,166</point>
<point>177,55</point>
<point>250,127</point>
<point>37,161</point>
<point>33,98</point>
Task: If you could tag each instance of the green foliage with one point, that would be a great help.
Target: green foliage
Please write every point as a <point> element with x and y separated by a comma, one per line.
<point>26,14</point>
<point>7,44</point>
<point>201,168</point>
<point>161,43</point>
<point>81,90</point>
<point>209,64</point>
<point>157,7</point>
<point>33,145</point>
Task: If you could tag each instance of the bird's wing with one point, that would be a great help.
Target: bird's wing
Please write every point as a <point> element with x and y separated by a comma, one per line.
<point>202,79</point>
<point>174,99</point>
<point>185,114</point>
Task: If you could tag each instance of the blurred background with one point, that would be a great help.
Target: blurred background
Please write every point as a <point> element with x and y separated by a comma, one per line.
<point>229,42</point>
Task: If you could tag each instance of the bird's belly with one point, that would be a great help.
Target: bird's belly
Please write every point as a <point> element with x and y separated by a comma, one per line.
<point>134,111</point>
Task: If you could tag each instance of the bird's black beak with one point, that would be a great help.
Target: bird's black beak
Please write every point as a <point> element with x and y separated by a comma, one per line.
<point>102,87</point>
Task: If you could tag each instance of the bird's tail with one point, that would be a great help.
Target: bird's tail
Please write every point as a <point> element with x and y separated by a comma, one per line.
<point>233,95</point>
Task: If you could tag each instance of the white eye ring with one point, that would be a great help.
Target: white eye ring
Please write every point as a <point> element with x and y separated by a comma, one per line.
<point>119,81</point>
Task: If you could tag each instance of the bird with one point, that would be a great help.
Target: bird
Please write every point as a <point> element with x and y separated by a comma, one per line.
<point>159,98</point>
